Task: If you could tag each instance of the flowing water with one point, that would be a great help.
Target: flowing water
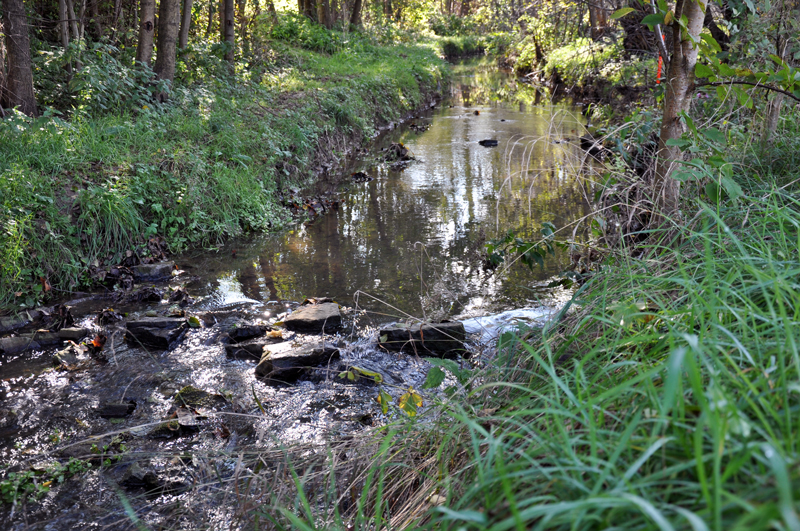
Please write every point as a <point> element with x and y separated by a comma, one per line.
<point>405,243</point>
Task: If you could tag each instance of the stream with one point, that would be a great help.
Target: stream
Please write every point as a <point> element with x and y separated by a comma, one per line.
<point>404,243</point>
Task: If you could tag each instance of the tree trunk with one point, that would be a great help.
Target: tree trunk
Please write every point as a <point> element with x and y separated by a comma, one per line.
<point>98,26</point>
<point>230,34</point>
<point>387,8</point>
<point>773,111</point>
<point>3,101</point>
<point>324,13</point>
<point>63,23</point>
<point>82,20</point>
<point>73,21</point>
<point>186,22</point>
<point>597,18</point>
<point>241,6</point>
<point>310,9</point>
<point>147,26</point>
<point>18,51</point>
<point>679,84</point>
<point>169,14</point>
<point>273,14</point>
<point>355,16</point>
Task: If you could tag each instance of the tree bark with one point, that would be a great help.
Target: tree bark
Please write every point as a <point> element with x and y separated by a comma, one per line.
<point>310,9</point>
<point>229,30</point>
<point>355,16</point>
<point>186,22</point>
<point>18,51</point>
<point>169,14</point>
<point>679,85</point>
<point>147,26</point>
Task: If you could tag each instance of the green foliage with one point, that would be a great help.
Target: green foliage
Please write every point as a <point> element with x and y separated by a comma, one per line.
<point>461,46</point>
<point>531,254</point>
<point>445,25</point>
<point>33,484</point>
<point>103,84</point>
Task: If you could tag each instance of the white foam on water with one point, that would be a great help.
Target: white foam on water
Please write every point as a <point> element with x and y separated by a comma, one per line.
<point>490,327</point>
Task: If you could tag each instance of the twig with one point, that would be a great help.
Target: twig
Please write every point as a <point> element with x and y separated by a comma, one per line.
<point>750,83</point>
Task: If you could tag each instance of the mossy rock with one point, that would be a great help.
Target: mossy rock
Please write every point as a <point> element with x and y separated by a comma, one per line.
<point>191,396</point>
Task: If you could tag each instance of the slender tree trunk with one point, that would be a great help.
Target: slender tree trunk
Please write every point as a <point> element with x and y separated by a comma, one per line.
<point>273,14</point>
<point>387,8</point>
<point>63,23</point>
<point>73,21</point>
<point>355,16</point>
<point>169,14</point>
<point>186,22</point>
<point>597,18</point>
<point>19,81</point>
<point>82,20</point>
<point>98,26</point>
<point>3,101</point>
<point>230,33</point>
<point>773,111</point>
<point>147,26</point>
<point>241,6</point>
<point>679,84</point>
<point>210,24</point>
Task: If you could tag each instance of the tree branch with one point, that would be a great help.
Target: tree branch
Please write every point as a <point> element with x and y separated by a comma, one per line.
<point>758,85</point>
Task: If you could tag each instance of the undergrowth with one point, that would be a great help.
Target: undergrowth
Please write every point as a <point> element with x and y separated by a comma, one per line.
<point>108,166</point>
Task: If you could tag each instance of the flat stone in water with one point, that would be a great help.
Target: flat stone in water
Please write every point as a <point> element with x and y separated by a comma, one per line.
<point>438,339</point>
<point>15,345</point>
<point>74,334</point>
<point>315,318</point>
<point>45,339</point>
<point>286,361</point>
<point>239,333</point>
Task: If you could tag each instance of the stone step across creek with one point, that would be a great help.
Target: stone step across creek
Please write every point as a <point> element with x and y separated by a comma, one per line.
<point>431,339</point>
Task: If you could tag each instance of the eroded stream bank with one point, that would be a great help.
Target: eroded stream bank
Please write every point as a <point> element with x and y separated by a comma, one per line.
<point>404,242</point>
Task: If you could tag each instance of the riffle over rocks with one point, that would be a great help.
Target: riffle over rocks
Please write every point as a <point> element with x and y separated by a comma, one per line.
<point>437,339</point>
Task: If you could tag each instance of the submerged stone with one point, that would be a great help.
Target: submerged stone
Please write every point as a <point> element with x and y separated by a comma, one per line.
<point>112,410</point>
<point>252,350</point>
<point>315,318</point>
<point>242,332</point>
<point>157,332</point>
<point>153,272</point>
<point>438,339</point>
<point>286,361</point>
<point>191,396</point>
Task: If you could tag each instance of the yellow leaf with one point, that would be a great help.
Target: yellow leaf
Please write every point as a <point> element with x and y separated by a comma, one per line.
<point>669,17</point>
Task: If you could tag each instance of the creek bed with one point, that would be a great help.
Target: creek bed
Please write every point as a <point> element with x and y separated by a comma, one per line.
<point>403,243</point>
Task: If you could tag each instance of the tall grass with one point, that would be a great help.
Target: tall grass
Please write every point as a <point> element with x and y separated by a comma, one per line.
<point>668,400</point>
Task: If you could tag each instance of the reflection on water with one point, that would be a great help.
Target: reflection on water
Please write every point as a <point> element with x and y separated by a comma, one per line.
<point>413,239</point>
